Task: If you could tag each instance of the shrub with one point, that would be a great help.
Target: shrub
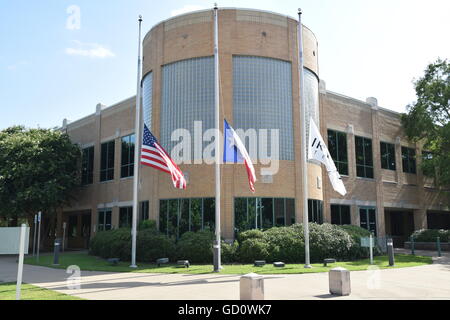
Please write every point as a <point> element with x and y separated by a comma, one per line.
<point>250,234</point>
<point>150,245</point>
<point>253,249</point>
<point>356,251</point>
<point>196,246</point>
<point>285,244</point>
<point>430,235</point>
<point>147,224</point>
<point>229,252</point>
<point>328,241</point>
<point>111,244</point>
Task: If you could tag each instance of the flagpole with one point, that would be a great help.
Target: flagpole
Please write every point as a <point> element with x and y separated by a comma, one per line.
<point>303,163</point>
<point>217,264</point>
<point>137,146</point>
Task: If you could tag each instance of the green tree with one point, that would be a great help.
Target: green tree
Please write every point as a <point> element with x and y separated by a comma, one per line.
<point>39,170</point>
<point>428,120</point>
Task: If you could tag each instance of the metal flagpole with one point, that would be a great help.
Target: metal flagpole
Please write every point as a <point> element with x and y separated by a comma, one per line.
<point>303,163</point>
<point>137,147</point>
<point>217,265</point>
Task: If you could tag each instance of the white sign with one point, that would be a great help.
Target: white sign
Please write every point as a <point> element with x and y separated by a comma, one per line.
<point>365,242</point>
<point>10,240</point>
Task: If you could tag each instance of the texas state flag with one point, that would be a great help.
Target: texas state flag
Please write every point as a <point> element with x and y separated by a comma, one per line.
<point>234,151</point>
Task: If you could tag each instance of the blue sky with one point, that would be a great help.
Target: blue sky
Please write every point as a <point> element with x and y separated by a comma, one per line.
<point>50,69</point>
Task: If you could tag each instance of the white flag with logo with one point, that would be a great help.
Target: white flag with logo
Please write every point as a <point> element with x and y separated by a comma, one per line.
<point>318,150</point>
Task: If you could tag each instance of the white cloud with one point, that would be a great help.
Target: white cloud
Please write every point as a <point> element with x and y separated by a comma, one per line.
<point>91,50</point>
<point>187,8</point>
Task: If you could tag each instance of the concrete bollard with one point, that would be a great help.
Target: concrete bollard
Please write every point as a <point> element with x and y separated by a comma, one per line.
<point>339,280</point>
<point>252,287</point>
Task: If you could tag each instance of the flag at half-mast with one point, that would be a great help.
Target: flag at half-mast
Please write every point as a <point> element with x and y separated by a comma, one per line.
<point>234,151</point>
<point>318,150</point>
<point>153,155</point>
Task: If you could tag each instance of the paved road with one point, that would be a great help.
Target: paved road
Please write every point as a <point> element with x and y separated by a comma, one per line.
<point>425,282</point>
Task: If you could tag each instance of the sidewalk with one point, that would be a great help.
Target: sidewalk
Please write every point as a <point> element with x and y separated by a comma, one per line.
<point>424,282</point>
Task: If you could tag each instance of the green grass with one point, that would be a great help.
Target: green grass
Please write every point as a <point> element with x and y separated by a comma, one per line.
<point>30,292</point>
<point>91,263</point>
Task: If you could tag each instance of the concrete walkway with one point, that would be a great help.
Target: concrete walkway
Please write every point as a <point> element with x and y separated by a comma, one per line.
<point>424,282</point>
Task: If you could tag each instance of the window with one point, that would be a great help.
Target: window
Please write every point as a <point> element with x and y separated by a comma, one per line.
<point>147,103</point>
<point>125,217</point>
<point>72,226</point>
<point>337,144</point>
<point>187,95</point>
<point>367,218</point>
<point>104,219</point>
<point>364,161</point>
<point>340,214</point>
<point>87,167</point>
<point>144,210</point>
<point>315,211</point>
<point>127,163</point>
<point>262,213</point>
<point>107,161</point>
<point>262,99</point>
<point>387,152</point>
<point>409,160</point>
<point>177,216</point>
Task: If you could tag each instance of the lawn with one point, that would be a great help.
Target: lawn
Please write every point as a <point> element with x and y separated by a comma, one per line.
<point>91,263</point>
<point>30,292</point>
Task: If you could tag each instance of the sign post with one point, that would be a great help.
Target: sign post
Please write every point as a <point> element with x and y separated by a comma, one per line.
<point>371,248</point>
<point>64,235</point>
<point>34,235</point>
<point>23,231</point>
<point>39,235</point>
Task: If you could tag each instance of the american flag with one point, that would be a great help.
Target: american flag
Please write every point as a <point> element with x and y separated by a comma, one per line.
<point>153,155</point>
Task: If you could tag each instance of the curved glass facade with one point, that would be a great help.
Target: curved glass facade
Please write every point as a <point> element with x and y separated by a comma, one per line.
<point>262,99</point>
<point>187,96</point>
<point>311,99</point>
<point>147,102</point>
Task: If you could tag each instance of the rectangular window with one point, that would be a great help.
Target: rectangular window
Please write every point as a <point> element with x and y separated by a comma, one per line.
<point>209,213</point>
<point>177,216</point>
<point>337,144</point>
<point>73,226</point>
<point>104,219</point>
<point>367,218</point>
<point>364,160</point>
<point>262,99</point>
<point>144,210</point>
<point>263,213</point>
<point>387,152</point>
<point>87,167</point>
<point>409,160</point>
<point>340,214</point>
<point>125,217</point>
<point>127,162</point>
<point>107,161</point>
<point>315,211</point>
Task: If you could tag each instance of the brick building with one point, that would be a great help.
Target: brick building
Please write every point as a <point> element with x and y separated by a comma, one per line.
<point>259,89</point>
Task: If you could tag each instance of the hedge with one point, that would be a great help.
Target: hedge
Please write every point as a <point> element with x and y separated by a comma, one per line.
<point>287,243</point>
<point>430,235</point>
<point>276,244</point>
<point>150,245</point>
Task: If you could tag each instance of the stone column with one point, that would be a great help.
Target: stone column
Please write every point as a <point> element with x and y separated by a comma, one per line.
<point>420,219</point>
<point>377,167</point>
